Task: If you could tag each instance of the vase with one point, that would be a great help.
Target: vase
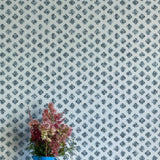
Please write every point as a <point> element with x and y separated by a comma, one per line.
<point>43,158</point>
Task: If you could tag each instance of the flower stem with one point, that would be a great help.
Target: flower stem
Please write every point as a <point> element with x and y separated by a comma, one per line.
<point>46,148</point>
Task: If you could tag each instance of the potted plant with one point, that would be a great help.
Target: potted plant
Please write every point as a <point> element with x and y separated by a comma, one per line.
<point>50,137</point>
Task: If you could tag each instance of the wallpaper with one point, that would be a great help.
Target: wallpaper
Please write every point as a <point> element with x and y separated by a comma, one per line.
<point>98,61</point>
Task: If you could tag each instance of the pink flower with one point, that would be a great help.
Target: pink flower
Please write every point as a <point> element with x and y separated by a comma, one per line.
<point>33,122</point>
<point>46,116</point>
<point>51,108</point>
<point>35,134</point>
<point>45,125</point>
<point>57,118</point>
<point>53,130</point>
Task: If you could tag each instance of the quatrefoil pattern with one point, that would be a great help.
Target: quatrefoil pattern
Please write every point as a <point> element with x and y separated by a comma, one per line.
<point>96,60</point>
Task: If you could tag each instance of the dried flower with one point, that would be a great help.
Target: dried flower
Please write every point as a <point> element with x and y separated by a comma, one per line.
<point>48,138</point>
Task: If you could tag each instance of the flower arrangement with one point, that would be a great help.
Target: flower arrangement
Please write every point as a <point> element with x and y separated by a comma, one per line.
<point>50,137</point>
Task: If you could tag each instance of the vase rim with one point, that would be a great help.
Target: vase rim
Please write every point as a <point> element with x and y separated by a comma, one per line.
<point>43,158</point>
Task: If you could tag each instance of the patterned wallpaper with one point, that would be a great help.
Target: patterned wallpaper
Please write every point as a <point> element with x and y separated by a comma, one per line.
<point>96,60</point>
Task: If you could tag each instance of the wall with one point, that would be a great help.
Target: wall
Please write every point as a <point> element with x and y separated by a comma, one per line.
<point>96,60</point>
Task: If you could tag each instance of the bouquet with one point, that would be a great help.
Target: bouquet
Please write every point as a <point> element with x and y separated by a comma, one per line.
<point>50,137</point>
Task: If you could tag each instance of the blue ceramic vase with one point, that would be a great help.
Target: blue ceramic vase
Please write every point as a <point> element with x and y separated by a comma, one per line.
<point>43,158</point>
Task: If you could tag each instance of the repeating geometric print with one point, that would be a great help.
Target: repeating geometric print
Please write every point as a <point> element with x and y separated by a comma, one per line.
<point>96,60</point>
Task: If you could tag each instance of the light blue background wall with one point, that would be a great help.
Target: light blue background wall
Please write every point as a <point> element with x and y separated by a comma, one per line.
<point>97,60</point>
